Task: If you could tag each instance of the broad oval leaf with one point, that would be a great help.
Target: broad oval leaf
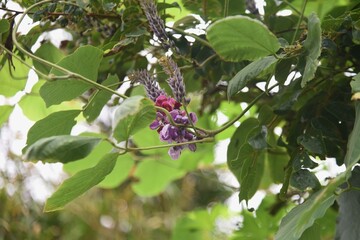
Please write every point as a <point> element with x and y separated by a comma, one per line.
<point>80,183</point>
<point>132,115</point>
<point>4,26</point>
<point>312,45</point>
<point>248,73</point>
<point>61,148</point>
<point>241,38</point>
<point>48,52</point>
<point>84,61</point>
<point>57,123</point>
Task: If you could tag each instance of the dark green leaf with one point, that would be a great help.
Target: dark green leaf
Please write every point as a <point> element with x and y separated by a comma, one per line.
<point>303,216</point>
<point>154,176</point>
<point>5,112</point>
<point>48,52</point>
<point>248,73</point>
<point>132,115</point>
<point>58,123</point>
<point>304,179</point>
<point>312,144</point>
<point>99,99</point>
<point>61,148</point>
<point>84,61</point>
<point>266,115</point>
<point>302,160</point>
<point>313,232</point>
<point>312,46</point>
<point>353,148</point>
<point>81,182</point>
<point>349,209</point>
<point>257,138</point>
<point>241,38</point>
<point>282,70</point>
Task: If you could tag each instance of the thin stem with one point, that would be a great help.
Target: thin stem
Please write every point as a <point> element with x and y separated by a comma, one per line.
<point>55,66</point>
<point>230,123</point>
<point>226,8</point>
<point>292,7</point>
<point>299,22</point>
<point>204,42</point>
<point>191,122</point>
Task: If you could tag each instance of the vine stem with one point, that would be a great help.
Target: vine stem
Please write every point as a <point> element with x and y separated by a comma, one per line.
<point>251,104</point>
<point>68,73</point>
<point>300,20</point>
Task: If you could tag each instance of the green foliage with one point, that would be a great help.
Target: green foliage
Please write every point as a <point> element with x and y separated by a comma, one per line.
<point>80,183</point>
<point>241,38</point>
<point>55,92</point>
<point>312,46</point>
<point>248,73</point>
<point>279,131</point>
<point>131,116</point>
<point>62,148</point>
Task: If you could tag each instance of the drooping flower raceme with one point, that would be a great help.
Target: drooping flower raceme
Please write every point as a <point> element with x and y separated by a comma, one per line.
<point>170,133</point>
<point>156,24</point>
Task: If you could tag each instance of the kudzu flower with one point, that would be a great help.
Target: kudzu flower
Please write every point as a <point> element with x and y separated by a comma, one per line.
<point>175,80</point>
<point>156,24</point>
<point>152,87</point>
<point>170,133</point>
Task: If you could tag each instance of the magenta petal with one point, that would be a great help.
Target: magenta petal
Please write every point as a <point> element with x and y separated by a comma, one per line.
<point>174,152</point>
<point>154,125</point>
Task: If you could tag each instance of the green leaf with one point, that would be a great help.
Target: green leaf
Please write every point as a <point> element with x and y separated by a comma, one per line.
<point>250,164</point>
<point>61,148</point>
<point>154,177</point>
<point>98,99</point>
<point>121,171</point>
<point>5,112</point>
<point>312,46</point>
<point>4,26</point>
<point>349,209</point>
<point>312,144</point>
<point>131,116</point>
<point>81,182</point>
<point>239,139</point>
<point>313,232</point>
<point>257,138</point>
<point>58,123</point>
<point>353,147</point>
<point>355,83</point>
<point>304,179</point>
<point>302,160</point>
<point>90,160</point>
<point>282,70</point>
<point>303,216</point>
<point>241,38</point>
<point>266,115</point>
<point>14,81</point>
<point>84,61</point>
<point>50,53</point>
<point>248,73</point>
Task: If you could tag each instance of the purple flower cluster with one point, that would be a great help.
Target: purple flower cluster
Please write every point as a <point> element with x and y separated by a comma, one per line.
<point>170,133</point>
